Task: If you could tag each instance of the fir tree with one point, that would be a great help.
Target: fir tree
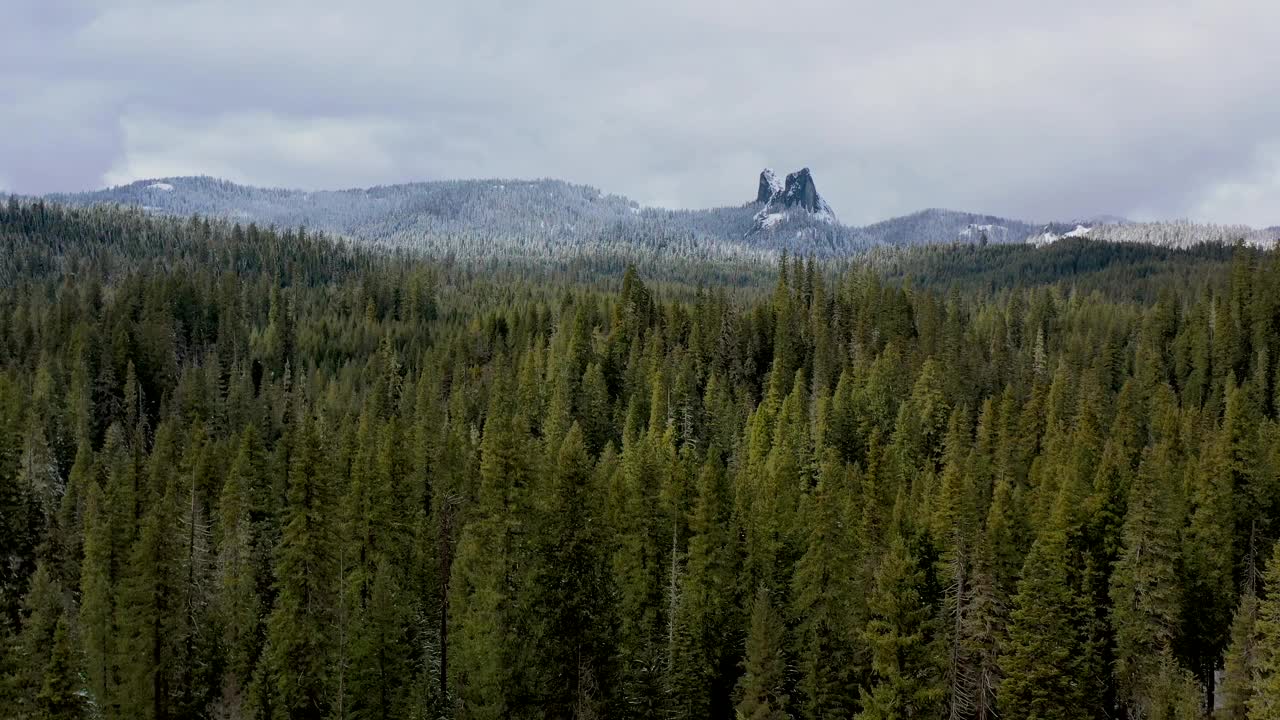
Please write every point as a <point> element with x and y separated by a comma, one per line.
<point>97,625</point>
<point>299,644</point>
<point>766,670</point>
<point>59,697</point>
<point>824,604</point>
<point>1144,592</point>
<point>1044,659</point>
<point>1265,701</point>
<point>381,665</point>
<point>905,679</point>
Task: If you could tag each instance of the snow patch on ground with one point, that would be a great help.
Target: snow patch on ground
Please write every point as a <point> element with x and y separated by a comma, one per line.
<point>771,219</point>
<point>1048,237</point>
<point>163,186</point>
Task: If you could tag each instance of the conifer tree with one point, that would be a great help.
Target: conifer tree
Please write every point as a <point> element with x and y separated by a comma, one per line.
<point>1146,603</point>
<point>763,688</point>
<point>299,645</point>
<point>1044,659</point>
<point>1265,701</point>
<point>640,570</point>
<point>479,626</point>
<point>1240,662</point>
<point>29,654</point>
<point>906,681</point>
<point>824,603</point>
<point>1209,557</point>
<point>59,697</point>
<point>146,617</point>
<point>480,611</point>
<point>237,604</point>
<point>97,611</point>
<point>702,670</point>
<point>381,664</point>
<point>570,594</point>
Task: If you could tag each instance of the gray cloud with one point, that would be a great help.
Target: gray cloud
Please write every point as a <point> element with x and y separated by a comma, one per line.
<point>1151,109</point>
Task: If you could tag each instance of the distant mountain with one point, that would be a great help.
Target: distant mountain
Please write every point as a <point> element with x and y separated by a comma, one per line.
<point>536,218</point>
<point>555,219</point>
<point>1176,234</point>
<point>936,226</point>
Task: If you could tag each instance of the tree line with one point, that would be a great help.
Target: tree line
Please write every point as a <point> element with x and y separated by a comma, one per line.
<point>247,473</point>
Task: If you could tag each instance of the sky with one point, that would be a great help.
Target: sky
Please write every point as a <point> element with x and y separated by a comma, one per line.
<point>1033,110</point>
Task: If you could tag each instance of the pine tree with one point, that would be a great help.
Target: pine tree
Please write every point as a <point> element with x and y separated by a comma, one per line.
<point>1240,662</point>
<point>477,617</point>
<point>28,656</point>
<point>96,618</point>
<point>763,687</point>
<point>1144,591</point>
<point>146,618</point>
<point>1209,556</point>
<point>59,697</point>
<point>1044,659</point>
<point>569,595</point>
<point>823,603</point>
<point>905,679</point>
<point>702,671</point>
<point>480,608</point>
<point>381,667</point>
<point>1265,702</point>
<point>640,571</point>
<point>237,604</point>
<point>299,645</point>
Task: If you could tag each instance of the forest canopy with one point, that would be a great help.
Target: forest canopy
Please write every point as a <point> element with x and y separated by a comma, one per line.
<point>260,473</point>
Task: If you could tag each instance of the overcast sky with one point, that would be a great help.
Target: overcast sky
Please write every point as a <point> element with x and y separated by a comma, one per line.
<point>1033,110</point>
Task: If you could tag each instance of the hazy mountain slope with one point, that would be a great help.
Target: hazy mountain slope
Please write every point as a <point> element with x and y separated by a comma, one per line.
<point>935,225</point>
<point>541,218</point>
<point>1169,234</point>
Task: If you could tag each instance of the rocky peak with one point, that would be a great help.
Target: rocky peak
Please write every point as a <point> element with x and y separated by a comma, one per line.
<point>769,186</point>
<point>783,199</point>
<point>801,191</point>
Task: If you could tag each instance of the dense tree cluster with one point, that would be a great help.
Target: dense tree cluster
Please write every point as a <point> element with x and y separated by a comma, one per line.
<point>250,474</point>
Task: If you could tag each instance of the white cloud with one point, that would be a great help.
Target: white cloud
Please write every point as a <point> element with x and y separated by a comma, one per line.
<point>1253,199</point>
<point>1027,109</point>
<point>255,148</point>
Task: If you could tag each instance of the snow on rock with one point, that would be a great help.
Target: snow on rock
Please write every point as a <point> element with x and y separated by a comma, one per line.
<point>782,199</point>
<point>770,185</point>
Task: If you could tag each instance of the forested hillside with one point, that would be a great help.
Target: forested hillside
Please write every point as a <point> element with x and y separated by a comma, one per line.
<point>531,221</point>
<point>251,474</point>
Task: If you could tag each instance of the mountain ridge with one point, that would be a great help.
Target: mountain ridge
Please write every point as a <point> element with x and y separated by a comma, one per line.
<point>484,216</point>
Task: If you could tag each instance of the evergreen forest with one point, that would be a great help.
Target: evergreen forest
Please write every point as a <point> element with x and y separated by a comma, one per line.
<point>266,474</point>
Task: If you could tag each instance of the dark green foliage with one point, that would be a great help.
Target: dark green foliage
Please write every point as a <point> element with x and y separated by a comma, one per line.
<point>247,473</point>
<point>766,669</point>
<point>906,681</point>
<point>1264,702</point>
<point>1044,661</point>
<point>59,697</point>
